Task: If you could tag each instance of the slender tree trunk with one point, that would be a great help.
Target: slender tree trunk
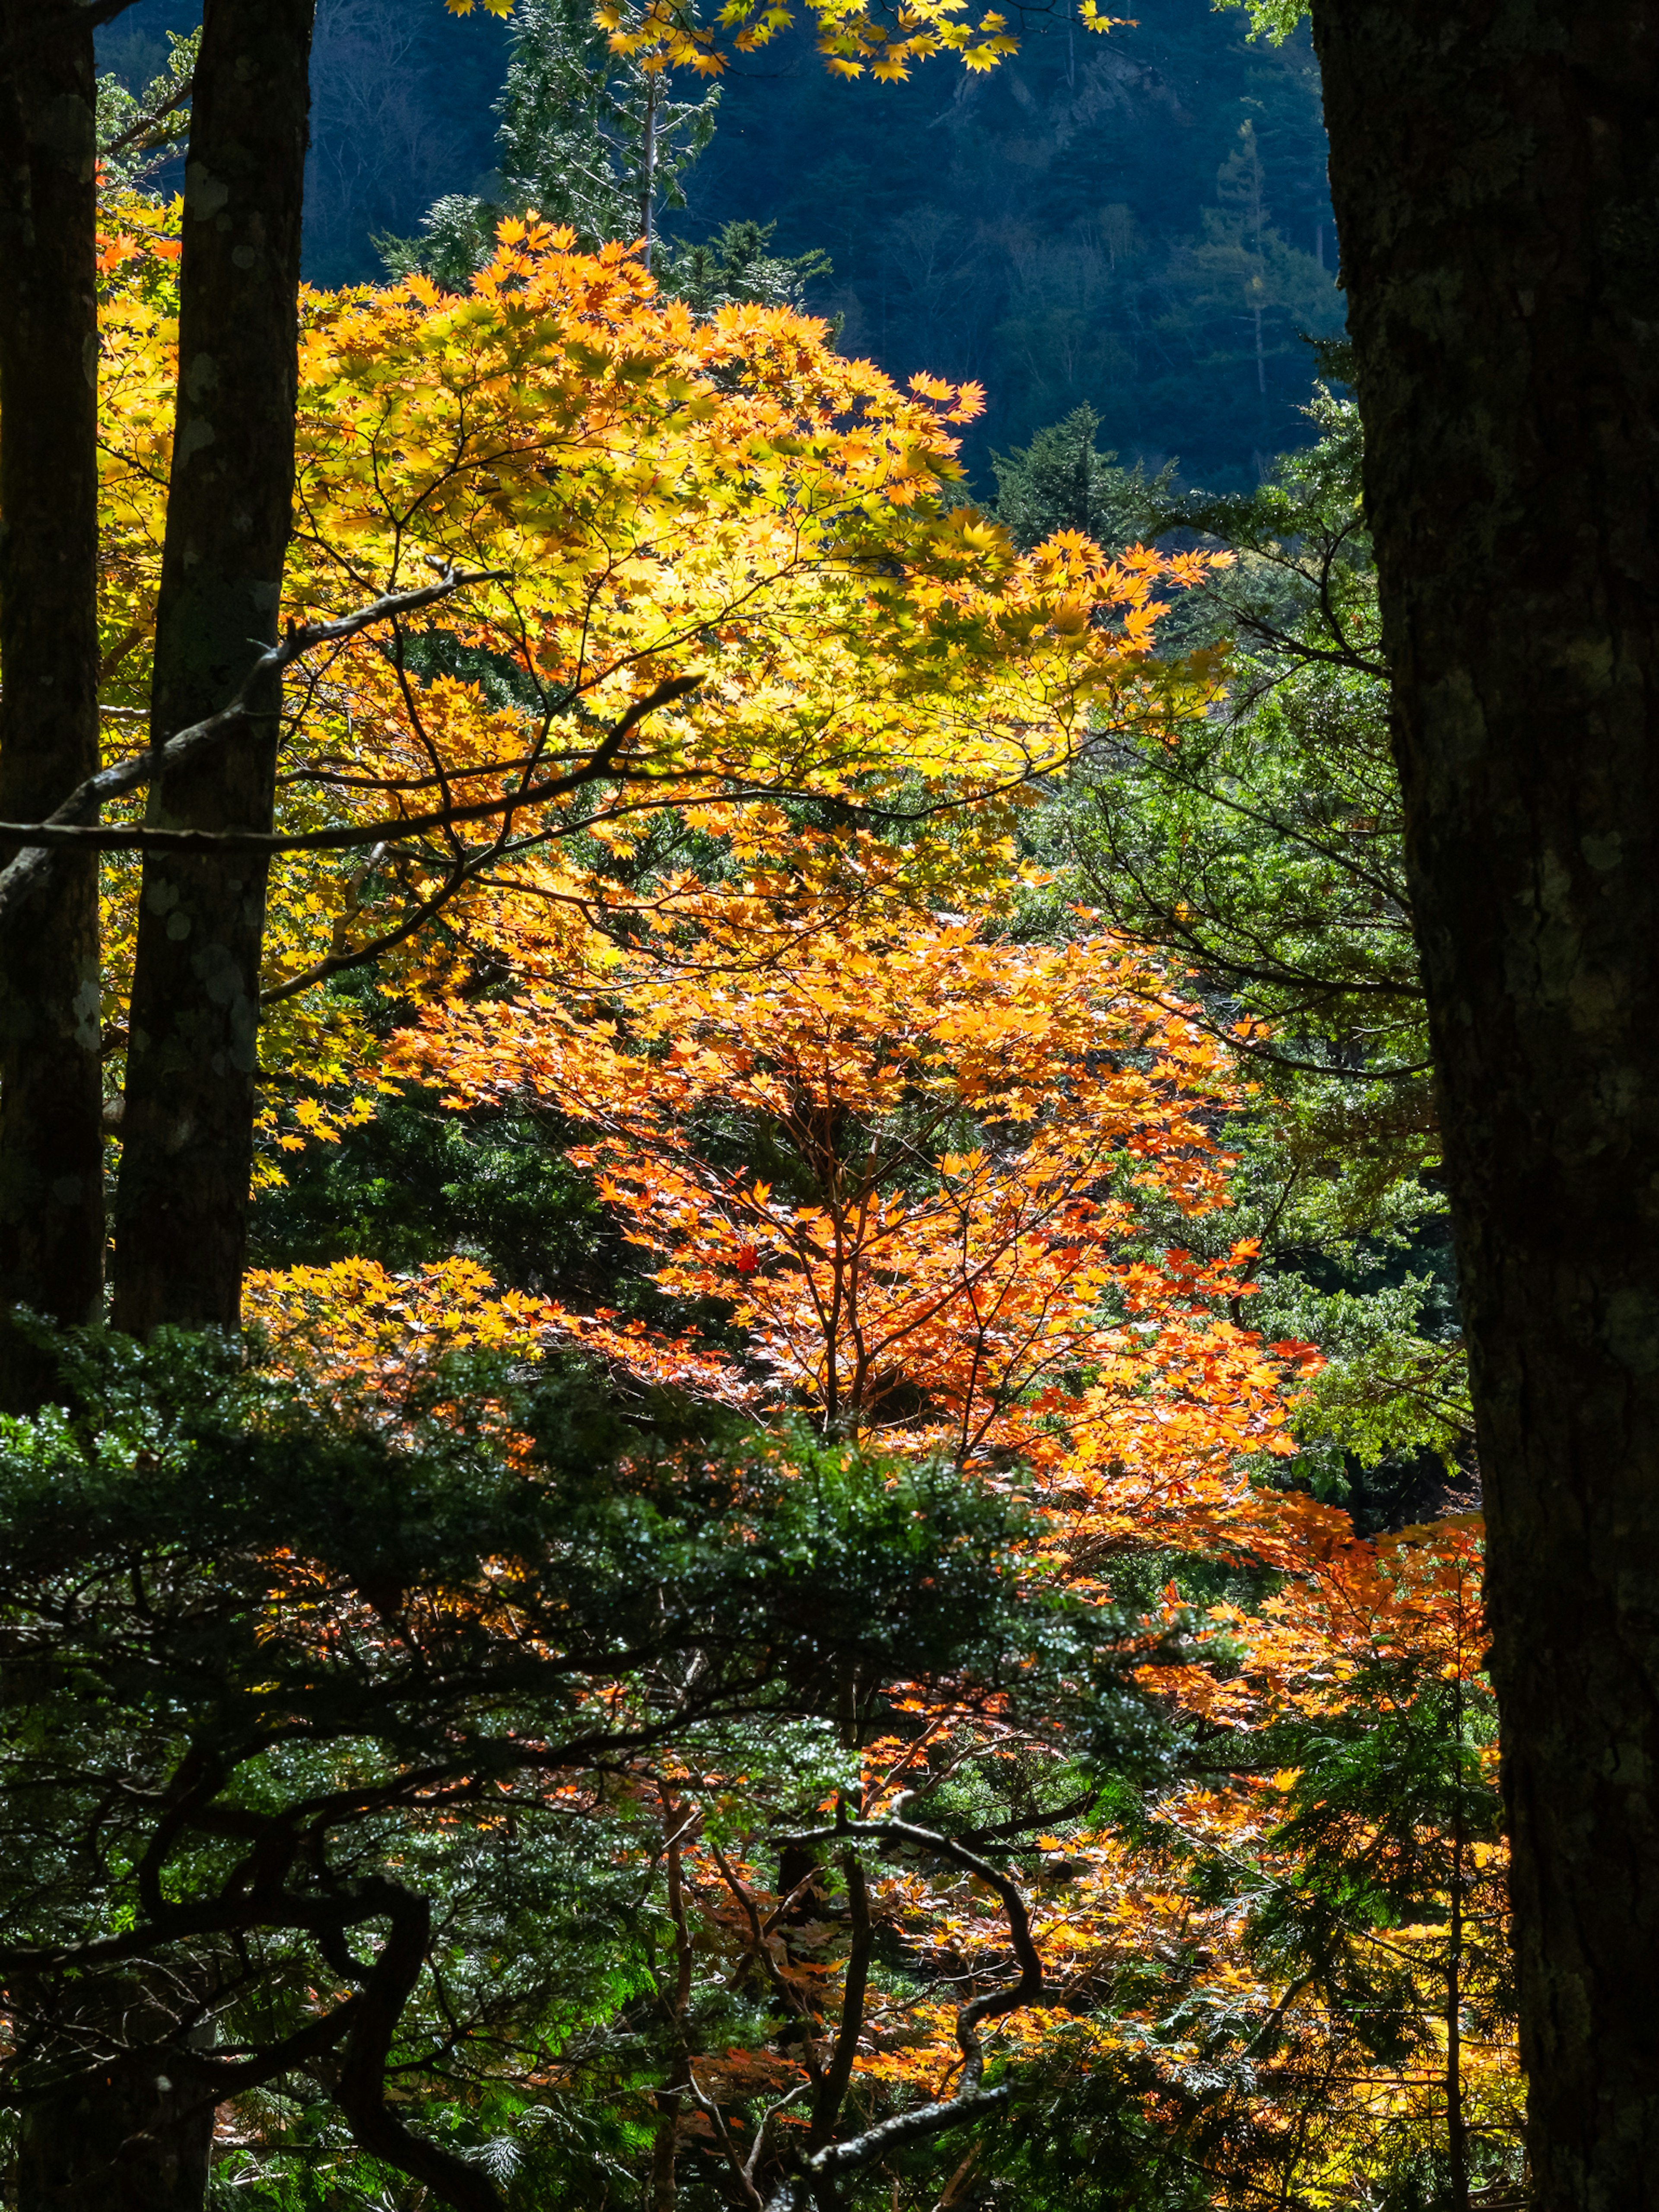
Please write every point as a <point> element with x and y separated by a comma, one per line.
<point>855,1983</point>
<point>1457,2134</point>
<point>187,1130</point>
<point>665,2149</point>
<point>52,1203</point>
<point>648,172</point>
<point>1496,179</point>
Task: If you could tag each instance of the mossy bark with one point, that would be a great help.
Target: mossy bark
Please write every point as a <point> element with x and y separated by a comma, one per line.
<point>181,1208</point>
<point>1495,170</point>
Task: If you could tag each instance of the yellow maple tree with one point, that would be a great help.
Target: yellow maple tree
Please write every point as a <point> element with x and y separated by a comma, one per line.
<point>716,566</point>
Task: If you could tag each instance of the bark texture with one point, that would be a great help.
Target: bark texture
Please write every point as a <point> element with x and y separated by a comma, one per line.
<point>181,1208</point>
<point>51,1206</point>
<point>1496,176</point>
<point>138,2141</point>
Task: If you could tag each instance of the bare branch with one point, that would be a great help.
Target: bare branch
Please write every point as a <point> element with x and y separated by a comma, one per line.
<point>970,2101</point>
<point>24,875</point>
<point>142,837</point>
<point>740,2173</point>
<point>751,2163</point>
<point>790,1997</point>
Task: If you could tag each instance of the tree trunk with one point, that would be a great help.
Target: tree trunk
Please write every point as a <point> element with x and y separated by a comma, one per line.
<point>669,2099</point>
<point>1496,179</point>
<point>134,2141</point>
<point>1457,2133</point>
<point>187,1130</point>
<point>51,1203</point>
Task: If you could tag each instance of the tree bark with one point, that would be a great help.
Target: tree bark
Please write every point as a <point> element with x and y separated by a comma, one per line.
<point>670,2098</point>
<point>1496,179</point>
<point>1457,2133</point>
<point>187,1129</point>
<point>51,1203</point>
<point>138,2141</point>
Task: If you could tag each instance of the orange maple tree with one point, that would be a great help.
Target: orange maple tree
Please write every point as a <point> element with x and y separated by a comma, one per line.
<point>927,1178</point>
<point>921,1180</point>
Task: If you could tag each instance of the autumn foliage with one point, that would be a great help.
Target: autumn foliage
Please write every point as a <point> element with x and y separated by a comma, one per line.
<point>972,1152</point>
<point>687,829</point>
<point>719,563</point>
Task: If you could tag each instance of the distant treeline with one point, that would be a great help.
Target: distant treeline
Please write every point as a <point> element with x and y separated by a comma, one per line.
<point>1139,222</point>
<point>1093,223</point>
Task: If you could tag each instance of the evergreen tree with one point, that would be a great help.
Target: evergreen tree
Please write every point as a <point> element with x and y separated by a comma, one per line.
<point>141,130</point>
<point>1061,481</point>
<point>193,1870</point>
<point>1239,273</point>
<point>735,268</point>
<point>1262,848</point>
<point>587,137</point>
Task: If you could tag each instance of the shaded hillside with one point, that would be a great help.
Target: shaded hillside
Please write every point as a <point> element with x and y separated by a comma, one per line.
<point>1139,222</point>
<point>1089,223</point>
<point>402,97</point>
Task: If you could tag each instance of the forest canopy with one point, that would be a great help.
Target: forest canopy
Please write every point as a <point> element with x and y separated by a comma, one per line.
<point>777,1505</point>
<point>776,1596</point>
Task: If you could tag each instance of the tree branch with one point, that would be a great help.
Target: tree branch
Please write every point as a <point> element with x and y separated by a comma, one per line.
<point>149,117</point>
<point>142,837</point>
<point>970,2101</point>
<point>61,830</point>
<point>361,2089</point>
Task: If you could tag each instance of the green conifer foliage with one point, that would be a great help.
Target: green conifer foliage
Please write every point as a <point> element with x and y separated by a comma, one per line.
<point>140,131</point>
<point>586,137</point>
<point>1260,850</point>
<point>1061,481</point>
<point>735,267</point>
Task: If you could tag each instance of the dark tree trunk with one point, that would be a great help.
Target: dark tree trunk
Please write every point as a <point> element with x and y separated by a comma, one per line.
<point>134,2141</point>
<point>1496,178</point>
<point>187,1129</point>
<point>52,1203</point>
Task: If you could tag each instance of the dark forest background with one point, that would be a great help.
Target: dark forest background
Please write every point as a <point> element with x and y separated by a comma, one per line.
<point>1139,222</point>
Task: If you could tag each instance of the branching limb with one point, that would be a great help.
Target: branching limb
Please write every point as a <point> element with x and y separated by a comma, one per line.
<point>706,2104</point>
<point>149,119</point>
<point>144,838</point>
<point>71,823</point>
<point>342,956</point>
<point>361,2088</point>
<point>970,2101</point>
<point>234,2077</point>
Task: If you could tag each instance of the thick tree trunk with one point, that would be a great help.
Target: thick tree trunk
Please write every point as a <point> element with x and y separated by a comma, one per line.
<point>51,1203</point>
<point>181,1209</point>
<point>134,2141</point>
<point>1496,178</point>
